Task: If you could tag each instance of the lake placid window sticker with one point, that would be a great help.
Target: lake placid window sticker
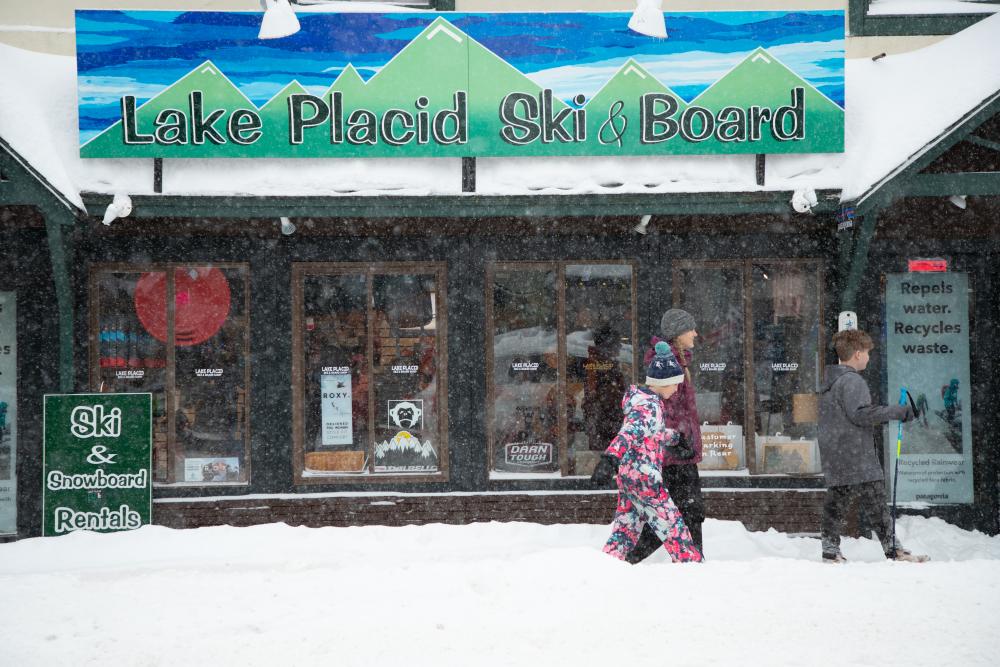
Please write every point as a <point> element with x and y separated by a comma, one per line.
<point>370,394</point>
<point>200,84</point>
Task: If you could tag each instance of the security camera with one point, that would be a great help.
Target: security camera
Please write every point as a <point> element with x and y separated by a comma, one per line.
<point>804,200</point>
<point>120,207</point>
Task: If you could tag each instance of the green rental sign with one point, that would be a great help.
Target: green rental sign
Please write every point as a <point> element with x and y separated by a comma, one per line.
<point>357,85</point>
<point>97,462</point>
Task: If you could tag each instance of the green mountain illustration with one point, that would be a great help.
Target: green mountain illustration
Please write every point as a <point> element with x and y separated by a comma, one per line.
<point>624,92</point>
<point>219,93</point>
<point>491,79</point>
<point>763,80</point>
<point>274,125</point>
<point>433,65</point>
<point>349,82</point>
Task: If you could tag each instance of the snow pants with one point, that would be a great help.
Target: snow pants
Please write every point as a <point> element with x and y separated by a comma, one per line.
<point>872,499</point>
<point>634,512</point>
<point>684,486</point>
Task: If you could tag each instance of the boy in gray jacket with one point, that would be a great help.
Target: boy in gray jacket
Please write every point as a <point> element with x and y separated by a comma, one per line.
<point>847,421</point>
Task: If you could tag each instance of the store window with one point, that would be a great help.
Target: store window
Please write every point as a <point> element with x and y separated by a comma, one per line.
<point>758,355</point>
<point>561,352</point>
<point>369,369</point>
<point>180,332</point>
<point>8,413</point>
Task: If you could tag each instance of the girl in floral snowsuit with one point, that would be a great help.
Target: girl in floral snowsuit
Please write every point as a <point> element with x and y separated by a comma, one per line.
<point>639,446</point>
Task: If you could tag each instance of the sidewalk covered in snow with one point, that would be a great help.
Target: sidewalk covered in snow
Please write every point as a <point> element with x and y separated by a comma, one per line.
<point>492,594</point>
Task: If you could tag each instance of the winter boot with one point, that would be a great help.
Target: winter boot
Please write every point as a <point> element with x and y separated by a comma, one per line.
<point>834,558</point>
<point>904,555</point>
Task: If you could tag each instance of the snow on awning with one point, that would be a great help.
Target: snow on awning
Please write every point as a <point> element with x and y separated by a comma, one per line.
<point>895,108</point>
<point>901,105</point>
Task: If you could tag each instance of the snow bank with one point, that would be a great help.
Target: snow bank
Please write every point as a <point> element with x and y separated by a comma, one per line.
<point>491,594</point>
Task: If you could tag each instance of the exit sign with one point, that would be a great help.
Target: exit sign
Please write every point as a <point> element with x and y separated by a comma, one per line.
<point>928,265</point>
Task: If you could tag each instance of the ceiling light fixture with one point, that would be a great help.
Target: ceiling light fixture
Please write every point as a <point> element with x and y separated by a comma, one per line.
<point>804,200</point>
<point>120,207</point>
<point>643,225</point>
<point>279,20</point>
<point>647,19</point>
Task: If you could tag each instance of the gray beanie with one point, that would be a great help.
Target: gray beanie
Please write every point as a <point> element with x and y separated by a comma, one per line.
<point>675,322</point>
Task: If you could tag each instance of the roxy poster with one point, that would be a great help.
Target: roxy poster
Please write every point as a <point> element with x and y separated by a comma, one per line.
<point>200,84</point>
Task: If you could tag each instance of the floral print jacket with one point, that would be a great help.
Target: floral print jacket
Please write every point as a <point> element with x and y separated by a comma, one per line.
<point>640,442</point>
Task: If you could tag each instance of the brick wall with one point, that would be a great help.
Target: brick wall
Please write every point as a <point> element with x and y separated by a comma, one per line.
<point>787,511</point>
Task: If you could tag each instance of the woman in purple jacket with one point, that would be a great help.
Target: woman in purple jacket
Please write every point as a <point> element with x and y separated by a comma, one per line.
<point>680,463</point>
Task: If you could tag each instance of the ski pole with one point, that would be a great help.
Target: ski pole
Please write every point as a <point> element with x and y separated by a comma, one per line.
<point>895,474</point>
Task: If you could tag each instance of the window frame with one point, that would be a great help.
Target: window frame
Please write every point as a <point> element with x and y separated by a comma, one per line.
<point>300,270</point>
<point>749,388</point>
<point>559,266</point>
<point>170,380</point>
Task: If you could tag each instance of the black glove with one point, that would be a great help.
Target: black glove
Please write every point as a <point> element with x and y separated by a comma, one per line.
<point>605,470</point>
<point>680,451</point>
<point>906,413</point>
<point>913,406</point>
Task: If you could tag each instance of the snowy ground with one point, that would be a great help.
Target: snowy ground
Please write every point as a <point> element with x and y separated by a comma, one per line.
<point>491,594</point>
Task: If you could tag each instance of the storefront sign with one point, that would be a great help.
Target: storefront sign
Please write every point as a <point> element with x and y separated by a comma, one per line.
<point>200,84</point>
<point>721,447</point>
<point>405,453</point>
<point>927,351</point>
<point>8,413</point>
<point>528,454</point>
<point>712,367</point>
<point>845,218</point>
<point>336,402</point>
<point>785,366</point>
<point>97,461</point>
<point>407,414</point>
<point>225,469</point>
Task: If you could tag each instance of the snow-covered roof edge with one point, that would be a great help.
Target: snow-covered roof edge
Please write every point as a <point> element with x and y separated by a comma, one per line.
<point>914,161</point>
<point>73,206</point>
<point>912,103</point>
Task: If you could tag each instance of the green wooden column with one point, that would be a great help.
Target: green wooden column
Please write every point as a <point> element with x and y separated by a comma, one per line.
<point>58,220</point>
<point>854,257</point>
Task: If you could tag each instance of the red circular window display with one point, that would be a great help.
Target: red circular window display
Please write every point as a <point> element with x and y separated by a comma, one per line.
<point>201,298</point>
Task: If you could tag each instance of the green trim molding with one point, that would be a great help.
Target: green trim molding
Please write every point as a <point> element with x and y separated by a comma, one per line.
<point>459,206</point>
<point>860,24</point>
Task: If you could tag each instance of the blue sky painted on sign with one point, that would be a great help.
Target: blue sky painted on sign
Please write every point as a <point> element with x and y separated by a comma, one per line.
<point>141,53</point>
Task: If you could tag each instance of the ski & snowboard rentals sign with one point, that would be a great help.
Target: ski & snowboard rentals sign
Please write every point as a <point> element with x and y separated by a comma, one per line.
<point>97,462</point>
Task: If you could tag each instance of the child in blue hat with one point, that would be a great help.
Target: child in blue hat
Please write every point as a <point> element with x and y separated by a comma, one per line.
<point>639,447</point>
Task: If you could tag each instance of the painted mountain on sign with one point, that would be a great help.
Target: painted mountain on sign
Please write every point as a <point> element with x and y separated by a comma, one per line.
<point>491,79</point>
<point>274,119</point>
<point>616,108</point>
<point>763,80</point>
<point>218,92</point>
